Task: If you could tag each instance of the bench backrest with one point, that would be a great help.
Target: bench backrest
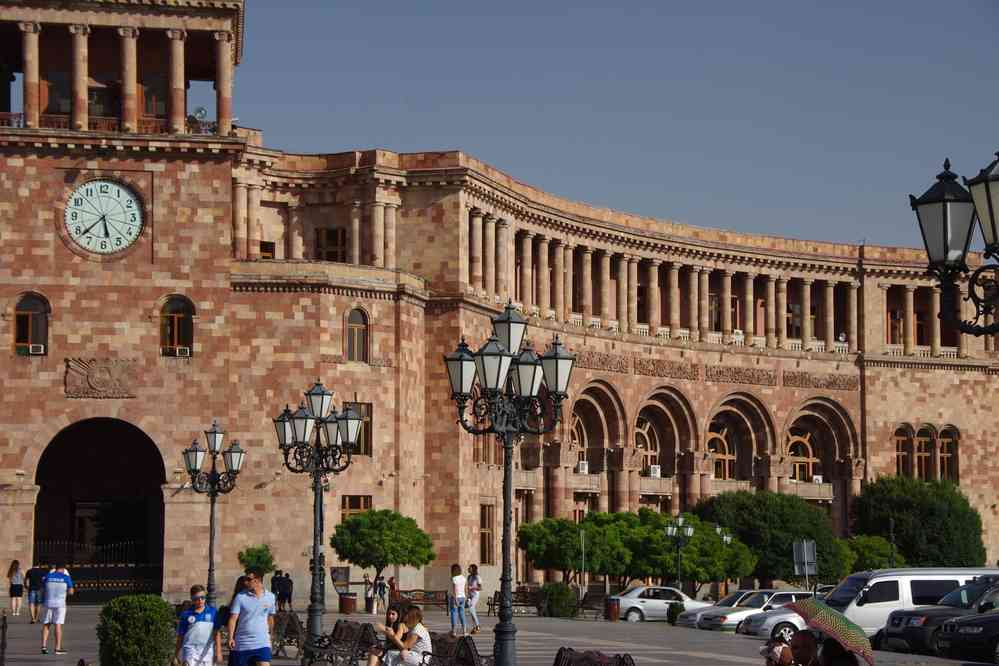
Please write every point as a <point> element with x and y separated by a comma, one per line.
<point>443,643</point>
<point>566,656</point>
<point>467,654</point>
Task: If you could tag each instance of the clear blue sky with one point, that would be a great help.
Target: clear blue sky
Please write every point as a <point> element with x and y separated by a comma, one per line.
<point>796,118</point>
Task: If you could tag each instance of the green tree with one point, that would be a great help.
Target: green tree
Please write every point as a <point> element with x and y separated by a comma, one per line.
<point>873,552</point>
<point>552,543</point>
<point>136,630</point>
<point>935,526</point>
<point>258,558</point>
<point>769,523</point>
<point>381,538</point>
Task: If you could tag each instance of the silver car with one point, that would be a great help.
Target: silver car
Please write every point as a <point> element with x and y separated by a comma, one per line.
<point>776,624</point>
<point>652,603</point>
<point>728,619</point>
<point>689,618</point>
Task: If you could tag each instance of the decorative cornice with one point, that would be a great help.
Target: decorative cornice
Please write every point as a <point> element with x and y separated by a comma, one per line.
<point>737,374</point>
<point>834,382</point>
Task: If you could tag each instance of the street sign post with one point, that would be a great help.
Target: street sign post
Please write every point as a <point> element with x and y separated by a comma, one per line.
<point>804,559</point>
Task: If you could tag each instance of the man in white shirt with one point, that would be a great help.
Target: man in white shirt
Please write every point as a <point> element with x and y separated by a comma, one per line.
<point>57,585</point>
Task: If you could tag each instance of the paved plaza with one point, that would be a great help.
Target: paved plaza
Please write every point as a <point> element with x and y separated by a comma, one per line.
<point>537,641</point>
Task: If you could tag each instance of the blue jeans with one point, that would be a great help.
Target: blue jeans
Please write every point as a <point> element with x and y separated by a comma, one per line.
<point>472,601</point>
<point>457,609</point>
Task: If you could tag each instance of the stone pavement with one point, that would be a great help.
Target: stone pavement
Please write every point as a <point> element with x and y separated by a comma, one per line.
<point>538,639</point>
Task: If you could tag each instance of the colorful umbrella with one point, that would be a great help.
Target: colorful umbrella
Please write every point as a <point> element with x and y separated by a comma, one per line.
<point>833,624</point>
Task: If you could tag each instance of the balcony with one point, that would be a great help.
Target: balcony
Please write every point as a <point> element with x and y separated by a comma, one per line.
<point>585,482</point>
<point>683,335</point>
<point>948,352</point>
<point>713,337</point>
<point>719,486</point>
<point>648,485</point>
<point>922,351</point>
<point>642,329</point>
<point>15,120</point>
<point>612,325</point>
<point>794,344</point>
<point>594,322</point>
<point>524,479</point>
<point>841,347</point>
<point>811,491</point>
<point>894,350</point>
<point>759,341</point>
<point>535,311</point>
<point>818,346</point>
<point>738,339</point>
<point>663,332</point>
<point>146,125</point>
<point>550,315</point>
<point>576,320</point>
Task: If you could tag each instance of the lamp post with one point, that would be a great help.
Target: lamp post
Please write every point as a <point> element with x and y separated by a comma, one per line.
<point>213,483</point>
<point>503,381</point>
<point>316,440</point>
<point>680,534</point>
<point>946,215</point>
<point>726,539</point>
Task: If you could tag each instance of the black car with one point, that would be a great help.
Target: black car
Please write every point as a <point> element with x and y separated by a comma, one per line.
<point>971,637</point>
<point>920,629</point>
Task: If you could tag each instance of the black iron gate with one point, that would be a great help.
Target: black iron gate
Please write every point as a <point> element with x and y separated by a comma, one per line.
<point>101,572</point>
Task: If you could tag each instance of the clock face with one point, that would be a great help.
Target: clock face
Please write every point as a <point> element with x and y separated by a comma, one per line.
<point>103,216</point>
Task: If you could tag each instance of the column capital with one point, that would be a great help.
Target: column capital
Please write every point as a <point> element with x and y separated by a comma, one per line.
<point>852,284</point>
<point>633,259</point>
<point>475,211</point>
<point>807,281</point>
<point>392,204</point>
<point>655,262</point>
<point>543,239</point>
<point>176,34</point>
<point>750,275</point>
<point>238,183</point>
<point>727,272</point>
<point>255,186</point>
<point>502,222</point>
<point>79,29</point>
<point>222,36</point>
<point>128,32</point>
<point>935,290</point>
<point>488,217</point>
<point>781,281</point>
<point>910,287</point>
<point>30,26</point>
<point>355,204</point>
<point>675,266</point>
<point>528,234</point>
<point>587,249</point>
<point>559,242</point>
<point>373,204</point>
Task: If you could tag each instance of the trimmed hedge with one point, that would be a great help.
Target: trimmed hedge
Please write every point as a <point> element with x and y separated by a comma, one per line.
<point>561,600</point>
<point>137,630</point>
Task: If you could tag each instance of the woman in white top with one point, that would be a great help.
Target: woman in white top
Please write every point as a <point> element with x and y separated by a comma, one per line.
<point>456,599</point>
<point>415,645</point>
<point>474,588</point>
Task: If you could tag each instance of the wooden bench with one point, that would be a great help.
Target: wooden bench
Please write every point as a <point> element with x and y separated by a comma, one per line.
<point>568,657</point>
<point>593,602</point>
<point>448,651</point>
<point>288,631</point>
<point>423,598</point>
<point>347,645</point>
<point>522,599</point>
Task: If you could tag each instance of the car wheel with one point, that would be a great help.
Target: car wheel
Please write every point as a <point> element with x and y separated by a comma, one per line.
<point>634,615</point>
<point>784,632</point>
<point>738,627</point>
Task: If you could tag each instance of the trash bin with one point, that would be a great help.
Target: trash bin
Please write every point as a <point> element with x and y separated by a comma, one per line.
<point>612,609</point>
<point>348,602</point>
<point>369,605</point>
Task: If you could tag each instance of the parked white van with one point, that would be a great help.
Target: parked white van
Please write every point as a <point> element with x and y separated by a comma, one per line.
<point>868,597</point>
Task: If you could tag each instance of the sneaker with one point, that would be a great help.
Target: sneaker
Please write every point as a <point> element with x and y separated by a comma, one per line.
<point>45,650</point>
<point>60,651</point>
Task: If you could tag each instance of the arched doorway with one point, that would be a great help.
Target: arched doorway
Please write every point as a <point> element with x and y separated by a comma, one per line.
<point>100,508</point>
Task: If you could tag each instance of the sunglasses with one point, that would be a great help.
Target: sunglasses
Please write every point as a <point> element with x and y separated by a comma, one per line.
<point>198,598</point>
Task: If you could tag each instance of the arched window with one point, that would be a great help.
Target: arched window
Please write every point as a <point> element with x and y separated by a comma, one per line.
<point>924,454</point>
<point>177,327</point>
<point>724,455</point>
<point>903,451</point>
<point>948,454</point>
<point>31,325</point>
<point>357,336</point>
<point>647,441</point>
<point>799,450</point>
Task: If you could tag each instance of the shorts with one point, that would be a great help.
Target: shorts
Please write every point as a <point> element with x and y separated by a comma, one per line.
<point>395,658</point>
<point>35,597</point>
<point>17,591</point>
<point>249,657</point>
<point>197,656</point>
<point>55,615</point>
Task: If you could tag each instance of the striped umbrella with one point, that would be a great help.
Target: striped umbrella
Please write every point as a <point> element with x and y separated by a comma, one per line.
<point>834,624</point>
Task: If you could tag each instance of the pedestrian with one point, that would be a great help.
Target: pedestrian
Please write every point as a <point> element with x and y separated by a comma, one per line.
<point>35,578</point>
<point>16,579</point>
<point>251,619</point>
<point>417,642</point>
<point>369,595</point>
<point>457,595</point>
<point>393,625</point>
<point>834,654</point>
<point>380,590</point>
<point>289,588</point>
<point>393,589</point>
<point>276,583</point>
<point>58,585</point>
<point>223,612</point>
<point>804,649</point>
<point>474,588</point>
<point>198,641</point>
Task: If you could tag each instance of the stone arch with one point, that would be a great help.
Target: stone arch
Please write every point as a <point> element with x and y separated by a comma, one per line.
<point>903,440</point>
<point>665,422</point>
<point>818,438</point>
<point>597,423</point>
<point>739,430</point>
<point>949,450</point>
<point>924,451</point>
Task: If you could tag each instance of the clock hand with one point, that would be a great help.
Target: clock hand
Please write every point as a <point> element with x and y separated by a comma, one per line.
<point>87,230</point>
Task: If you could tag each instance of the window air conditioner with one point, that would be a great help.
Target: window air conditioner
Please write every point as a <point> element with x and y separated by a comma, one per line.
<point>583,467</point>
<point>816,478</point>
<point>36,350</point>
<point>183,351</point>
<point>655,471</point>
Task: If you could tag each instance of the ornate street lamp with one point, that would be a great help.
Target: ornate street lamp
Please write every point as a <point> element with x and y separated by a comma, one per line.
<point>316,440</point>
<point>726,541</point>
<point>503,383</point>
<point>680,534</point>
<point>213,483</point>
<point>946,215</point>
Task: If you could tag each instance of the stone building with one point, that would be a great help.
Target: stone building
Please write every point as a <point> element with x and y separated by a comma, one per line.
<point>162,269</point>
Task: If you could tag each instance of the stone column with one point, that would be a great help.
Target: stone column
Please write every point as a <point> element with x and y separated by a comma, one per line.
<point>489,257</point>
<point>653,298</point>
<point>782,313</point>
<point>391,214</point>
<point>377,234</point>
<point>806,314</point>
<point>908,316</point>
<point>239,224</point>
<point>748,308</point>
<point>296,232</point>
<point>693,483</point>
<point>935,321</point>
<point>829,314</point>
<point>570,306</point>
<point>80,118</point>
<point>605,268</point>
<point>559,287</point>
<point>962,338</point>
<point>703,322</point>
<point>129,79</point>
<point>223,81</point>
<point>355,233</point>
<point>851,317</point>
<point>632,294</point>
<point>587,285</point>
<point>620,504</point>
<point>503,259</point>
<point>693,300</point>
<point>253,223</point>
<point>178,82</point>
<point>475,255</point>
<point>544,279</point>
<point>30,81</point>
<point>771,310</point>
<point>527,271</point>
<point>673,284</point>
<point>622,293</point>
<point>725,305</point>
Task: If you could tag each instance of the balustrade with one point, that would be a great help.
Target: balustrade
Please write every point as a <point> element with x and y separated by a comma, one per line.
<point>818,345</point>
<point>794,344</point>
<point>841,347</point>
<point>714,337</point>
<point>663,332</point>
<point>895,350</point>
<point>576,319</point>
<point>948,352</point>
<point>642,329</point>
<point>12,120</point>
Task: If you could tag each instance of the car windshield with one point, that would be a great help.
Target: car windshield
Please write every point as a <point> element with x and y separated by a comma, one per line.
<point>964,597</point>
<point>847,591</point>
<point>730,600</point>
<point>757,600</point>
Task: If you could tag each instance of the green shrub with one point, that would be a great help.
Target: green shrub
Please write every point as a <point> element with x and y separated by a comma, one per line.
<point>257,557</point>
<point>673,612</point>
<point>561,600</point>
<point>137,630</point>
